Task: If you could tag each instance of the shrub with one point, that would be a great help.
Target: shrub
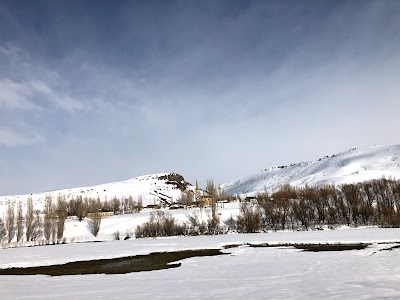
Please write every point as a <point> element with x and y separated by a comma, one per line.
<point>249,218</point>
<point>116,235</point>
<point>128,234</point>
<point>160,224</point>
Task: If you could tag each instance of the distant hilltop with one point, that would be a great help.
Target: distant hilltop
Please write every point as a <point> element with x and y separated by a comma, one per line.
<point>355,165</point>
<point>152,189</point>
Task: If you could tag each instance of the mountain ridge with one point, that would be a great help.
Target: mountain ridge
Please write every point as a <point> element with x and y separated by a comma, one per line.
<point>354,165</point>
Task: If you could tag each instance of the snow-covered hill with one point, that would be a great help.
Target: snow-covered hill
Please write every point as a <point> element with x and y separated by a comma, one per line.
<point>151,188</point>
<point>355,165</point>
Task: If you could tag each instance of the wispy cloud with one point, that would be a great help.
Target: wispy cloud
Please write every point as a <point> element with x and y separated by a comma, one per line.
<point>11,138</point>
<point>61,100</point>
<point>12,52</point>
<point>29,81</point>
<point>30,90</point>
<point>14,95</point>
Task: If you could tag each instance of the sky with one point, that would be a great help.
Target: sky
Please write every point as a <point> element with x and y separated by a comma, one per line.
<point>101,91</point>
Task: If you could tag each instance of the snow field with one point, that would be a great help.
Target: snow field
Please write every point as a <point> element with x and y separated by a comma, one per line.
<point>247,273</point>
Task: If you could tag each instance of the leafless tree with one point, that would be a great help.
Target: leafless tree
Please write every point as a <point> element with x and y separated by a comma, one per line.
<point>194,219</point>
<point>249,218</point>
<point>93,224</point>
<point>186,198</point>
<point>3,230</point>
<point>131,204</point>
<point>53,230</point>
<point>61,211</point>
<point>354,200</point>
<point>271,214</point>
<point>138,206</point>
<point>115,205</point>
<point>105,206</point>
<point>10,221</point>
<point>48,215</point>
<point>213,219</point>
<point>37,227</point>
<point>29,219</point>
<point>282,204</point>
<point>79,209</point>
<point>20,222</point>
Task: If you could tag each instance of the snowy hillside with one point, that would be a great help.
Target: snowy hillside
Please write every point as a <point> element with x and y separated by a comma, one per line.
<point>355,165</point>
<point>152,188</point>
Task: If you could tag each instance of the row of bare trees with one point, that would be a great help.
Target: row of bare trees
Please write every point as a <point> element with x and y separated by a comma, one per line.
<point>51,226</point>
<point>80,206</point>
<point>374,202</point>
<point>162,223</point>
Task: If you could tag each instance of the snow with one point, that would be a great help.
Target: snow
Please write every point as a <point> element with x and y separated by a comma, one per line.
<point>250,273</point>
<point>355,165</point>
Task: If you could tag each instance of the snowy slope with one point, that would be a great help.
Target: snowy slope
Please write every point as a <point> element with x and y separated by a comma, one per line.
<point>147,187</point>
<point>355,165</point>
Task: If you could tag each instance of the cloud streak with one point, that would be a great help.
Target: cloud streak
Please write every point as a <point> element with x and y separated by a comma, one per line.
<point>24,96</point>
<point>16,96</point>
<point>10,138</point>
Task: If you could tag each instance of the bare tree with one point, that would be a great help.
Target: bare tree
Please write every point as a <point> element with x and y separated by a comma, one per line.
<point>79,209</point>
<point>213,219</point>
<point>48,214</point>
<point>138,206</point>
<point>249,218</point>
<point>53,230</point>
<point>10,221</point>
<point>186,198</point>
<point>105,206</point>
<point>282,206</point>
<point>93,224</point>
<point>37,227</point>
<point>270,218</point>
<point>131,204</point>
<point>115,205</point>
<point>194,219</point>
<point>3,231</point>
<point>61,211</point>
<point>92,204</point>
<point>20,224</point>
<point>29,219</point>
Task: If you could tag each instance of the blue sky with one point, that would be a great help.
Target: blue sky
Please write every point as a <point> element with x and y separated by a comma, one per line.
<point>100,91</point>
